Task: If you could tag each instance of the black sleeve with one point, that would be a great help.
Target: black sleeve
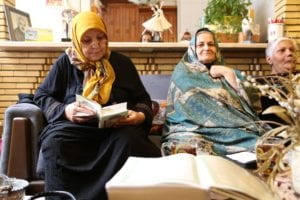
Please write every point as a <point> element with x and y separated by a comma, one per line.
<point>128,79</point>
<point>50,95</point>
<point>267,102</point>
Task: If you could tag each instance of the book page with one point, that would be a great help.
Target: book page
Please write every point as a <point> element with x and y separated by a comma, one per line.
<point>82,114</point>
<point>111,114</point>
<point>107,115</point>
<point>89,103</point>
<point>138,171</point>
<point>218,172</point>
<point>115,109</point>
<point>230,194</point>
<point>170,177</point>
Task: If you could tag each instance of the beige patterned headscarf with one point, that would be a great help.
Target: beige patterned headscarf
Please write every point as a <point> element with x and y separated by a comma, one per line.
<point>98,76</point>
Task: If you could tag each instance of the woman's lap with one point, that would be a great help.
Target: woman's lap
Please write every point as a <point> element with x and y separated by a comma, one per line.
<point>81,161</point>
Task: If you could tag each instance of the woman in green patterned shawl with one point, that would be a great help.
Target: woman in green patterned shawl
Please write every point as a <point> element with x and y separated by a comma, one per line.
<point>208,102</point>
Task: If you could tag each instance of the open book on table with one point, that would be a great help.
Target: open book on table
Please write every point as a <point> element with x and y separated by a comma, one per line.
<point>107,115</point>
<point>185,176</point>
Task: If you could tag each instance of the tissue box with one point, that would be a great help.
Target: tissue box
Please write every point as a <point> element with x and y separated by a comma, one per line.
<point>38,34</point>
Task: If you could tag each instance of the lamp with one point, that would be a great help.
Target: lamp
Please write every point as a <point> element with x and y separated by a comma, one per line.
<point>67,15</point>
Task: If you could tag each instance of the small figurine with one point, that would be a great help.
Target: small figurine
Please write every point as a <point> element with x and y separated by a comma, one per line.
<point>247,31</point>
<point>158,23</point>
<point>187,36</point>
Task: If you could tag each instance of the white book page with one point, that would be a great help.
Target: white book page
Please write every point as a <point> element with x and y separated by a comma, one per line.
<point>114,109</point>
<point>82,114</point>
<point>111,114</point>
<point>178,169</point>
<point>222,173</point>
<point>89,103</point>
<point>205,178</point>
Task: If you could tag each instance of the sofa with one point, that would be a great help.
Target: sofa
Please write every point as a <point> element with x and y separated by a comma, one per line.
<point>24,121</point>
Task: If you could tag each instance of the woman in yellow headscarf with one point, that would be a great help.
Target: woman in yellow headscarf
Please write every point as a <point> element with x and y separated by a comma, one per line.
<point>78,156</point>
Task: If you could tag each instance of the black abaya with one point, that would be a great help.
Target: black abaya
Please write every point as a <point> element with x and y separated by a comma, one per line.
<point>81,158</point>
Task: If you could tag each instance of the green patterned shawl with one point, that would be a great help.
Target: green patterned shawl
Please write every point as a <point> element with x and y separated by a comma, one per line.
<point>200,106</point>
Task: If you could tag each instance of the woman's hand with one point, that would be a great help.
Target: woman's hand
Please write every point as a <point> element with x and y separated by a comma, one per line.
<point>79,113</point>
<point>218,71</point>
<point>133,118</point>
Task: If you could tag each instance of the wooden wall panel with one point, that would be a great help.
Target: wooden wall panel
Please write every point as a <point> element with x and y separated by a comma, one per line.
<point>121,20</point>
<point>171,15</point>
<point>124,22</point>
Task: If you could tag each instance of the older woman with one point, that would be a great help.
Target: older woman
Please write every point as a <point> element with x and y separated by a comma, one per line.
<point>207,101</point>
<point>281,55</point>
<point>79,156</point>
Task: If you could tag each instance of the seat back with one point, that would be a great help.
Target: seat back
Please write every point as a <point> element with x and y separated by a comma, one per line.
<point>157,85</point>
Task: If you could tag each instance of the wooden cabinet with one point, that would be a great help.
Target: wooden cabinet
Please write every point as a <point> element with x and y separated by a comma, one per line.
<point>124,21</point>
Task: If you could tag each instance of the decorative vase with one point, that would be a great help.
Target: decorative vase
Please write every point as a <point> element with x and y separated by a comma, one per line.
<point>295,168</point>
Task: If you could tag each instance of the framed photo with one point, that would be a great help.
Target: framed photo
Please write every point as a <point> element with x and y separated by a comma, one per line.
<point>17,22</point>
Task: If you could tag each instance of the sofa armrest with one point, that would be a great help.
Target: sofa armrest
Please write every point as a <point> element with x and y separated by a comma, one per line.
<point>32,129</point>
<point>19,159</point>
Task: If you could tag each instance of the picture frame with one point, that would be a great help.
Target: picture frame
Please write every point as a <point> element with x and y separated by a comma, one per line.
<point>17,23</point>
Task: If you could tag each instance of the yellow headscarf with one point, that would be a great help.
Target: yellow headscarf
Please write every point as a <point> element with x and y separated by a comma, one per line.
<point>98,76</point>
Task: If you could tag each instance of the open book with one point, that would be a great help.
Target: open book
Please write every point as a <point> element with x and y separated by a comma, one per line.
<point>107,115</point>
<point>185,176</point>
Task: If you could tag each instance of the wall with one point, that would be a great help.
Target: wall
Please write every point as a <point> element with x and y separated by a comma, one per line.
<point>263,10</point>
<point>48,17</point>
<point>289,10</point>
<point>127,20</point>
<point>42,16</point>
<point>189,13</point>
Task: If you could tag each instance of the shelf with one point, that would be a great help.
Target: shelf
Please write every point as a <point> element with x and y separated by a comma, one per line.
<point>119,46</point>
